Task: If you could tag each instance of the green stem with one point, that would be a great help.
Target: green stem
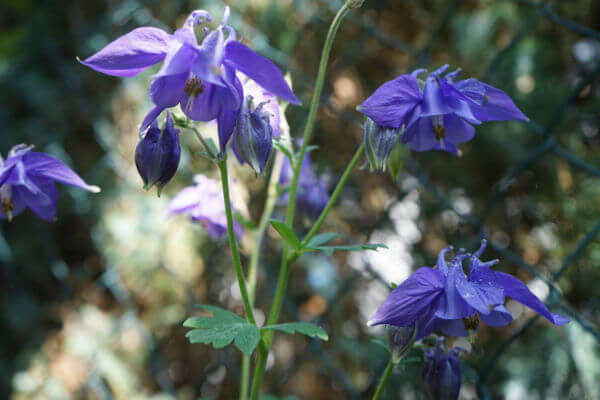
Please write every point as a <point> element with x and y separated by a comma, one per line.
<point>255,255</point>
<point>336,193</point>
<point>237,263</point>
<point>245,377</point>
<point>314,106</point>
<point>265,343</point>
<point>384,378</point>
<point>264,221</point>
<point>204,143</point>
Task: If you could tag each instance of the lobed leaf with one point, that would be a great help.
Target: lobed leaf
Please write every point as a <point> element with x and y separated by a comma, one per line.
<point>305,328</point>
<point>222,328</point>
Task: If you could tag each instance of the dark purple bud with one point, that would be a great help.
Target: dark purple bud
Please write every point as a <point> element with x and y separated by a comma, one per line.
<point>379,142</point>
<point>254,135</point>
<point>400,340</point>
<point>157,154</point>
<point>441,373</point>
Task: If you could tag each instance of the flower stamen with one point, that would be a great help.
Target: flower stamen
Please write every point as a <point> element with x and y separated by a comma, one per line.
<point>6,200</point>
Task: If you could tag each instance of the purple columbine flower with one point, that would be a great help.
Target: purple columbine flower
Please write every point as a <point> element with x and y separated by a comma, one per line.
<point>204,204</point>
<point>446,299</point>
<point>157,154</point>
<point>438,112</point>
<point>441,373</point>
<point>312,195</point>
<point>199,70</point>
<point>27,179</point>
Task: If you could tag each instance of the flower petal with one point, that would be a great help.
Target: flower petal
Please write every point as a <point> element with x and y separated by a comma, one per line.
<point>131,53</point>
<point>407,302</point>
<point>262,70</point>
<point>43,165</point>
<point>226,124</point>
<point>480,291</point>
<point>150,118</point>
<point>441,98</point>
<point>499,107</point>
<point>499,316</point>
<point>203,107</point>
<point>457,130</point>
<point>184,201</point>
<point>391,103</point>
<point>452,305</point>
<point>420,136</point>
<point>518,291</point>
<point>44,202</point>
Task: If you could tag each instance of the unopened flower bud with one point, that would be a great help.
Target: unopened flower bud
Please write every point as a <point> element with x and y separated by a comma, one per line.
<point>254,135</point>
<point>400,340</point>
<point>441,373</point>
<point>157,154</point>
<point>355,3</point>
<point>379,142</point>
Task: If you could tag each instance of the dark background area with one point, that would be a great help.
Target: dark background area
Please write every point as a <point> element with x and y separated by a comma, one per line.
<point>91,305</point>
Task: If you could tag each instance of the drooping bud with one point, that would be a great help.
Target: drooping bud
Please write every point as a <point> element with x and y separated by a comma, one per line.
<point>400,340</point>
<point>253,135</point>
<point>379,142</point>
<point>397,158</point>
<point>441,373</point>
<point>157,154</point>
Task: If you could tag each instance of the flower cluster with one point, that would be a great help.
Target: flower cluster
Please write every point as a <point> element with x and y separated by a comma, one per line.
<point>437,113</point>
<point>445,299</point>
<point>28,180</point>
<point>204,204</point>
<point>201,73</point>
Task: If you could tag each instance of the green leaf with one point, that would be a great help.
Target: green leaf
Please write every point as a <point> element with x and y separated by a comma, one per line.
<point>311,147</point>
<point>221,329</point>
<point>211,145</point>
<point>304,328</point>
<point>321,239</point>
<point>273,397</point>
<point>381,343</point>
<point>246,223</point>
<point>286,233</point>
<point>281,145</point>
<point>329,250</point>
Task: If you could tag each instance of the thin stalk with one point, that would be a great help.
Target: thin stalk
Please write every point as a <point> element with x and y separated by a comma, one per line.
<point>237,263</point>
<point>204,144</point>
<point>265,343</point>
<point>245,377</point>
<point>255,255</point>
<point>384,378</point>
<point>314,106</point>
<point>264,221</point>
